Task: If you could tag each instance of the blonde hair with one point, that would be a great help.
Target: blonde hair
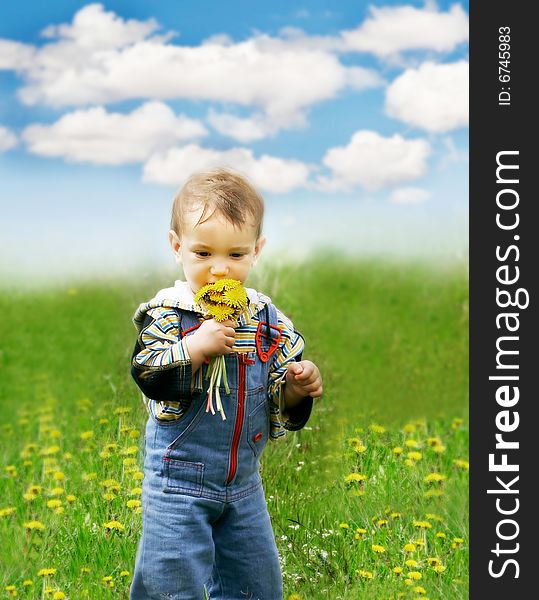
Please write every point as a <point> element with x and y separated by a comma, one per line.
<point>221,191</point>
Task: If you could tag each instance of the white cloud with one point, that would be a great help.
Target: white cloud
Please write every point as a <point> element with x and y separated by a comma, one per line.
<point>433,97</point>
<point>391,30</point>
<point>94,28</point>
<point>269,173</point>
<point>100,58</point>
<point>255,127</point>
<point>373,161</point>
<point>8,139</point>
<point>15,55</point>
<point>409,195</point>
<point>99,137</point>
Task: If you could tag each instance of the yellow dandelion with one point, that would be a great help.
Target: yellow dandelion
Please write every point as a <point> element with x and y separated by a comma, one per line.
<point>111,484</point>
<point>105,455</point>
<point>103,421</point>
<point>419,543</point>
<point>89,476</point>
<point>414,456</point>
<point>59,476</point>
<point>113,525</point>
<point>422,524</point>
<point>109,496</point>
<point>133,503</point>
<point>409,428</point>
<point>435,478</point>
<point>344,525</point>
<point>439,568</point>
<point>397,570</point>
<point>458,540</point>
<point>221,312</point>
<point>415,575</point>
<point>457,423</point>
<point>27,583</point>
<point>5,512</point>
<point>46,572</point>
<point>434,441</point>
<point>294,597</point>
<point>409,547</point>
<point>70,498</point>
<point>86,435</point>
<point>108,581</point>
<point>58,595</point>
<point>434,493</point>
<point>439,449</point>
<point>420,590</point>
<point>50,451</point>
<point>235,297</point>
<point>412,443</point>
<point>411,563</point>
<point>129,462</point>
<point>397,451</point>
<point>377,428</point>
<point>361,531</point>
<point>441,535</point>
<point>124,573</point>
<point>381,522</point>
<point>136,491</point>
<point>378,549</point>
<point>134,434</point>
<point>395,515</point>
<point>355,477</point>
<point>85,570</point>
<point>461,464</point>
<point>434,561</point>
<point>364,574</point>
<point>433,517</point>
<point>67,456</point>
<point>129,451</point>
<point>34,525</point>
<point>138,475</point>
<point>54,503</point>
<point>408,581</point>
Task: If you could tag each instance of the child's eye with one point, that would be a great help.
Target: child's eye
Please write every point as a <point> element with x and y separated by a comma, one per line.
<point>236,255</point>
<point>202,254</point>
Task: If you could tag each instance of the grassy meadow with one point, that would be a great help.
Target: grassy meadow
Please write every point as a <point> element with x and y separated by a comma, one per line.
<point>369,501</point>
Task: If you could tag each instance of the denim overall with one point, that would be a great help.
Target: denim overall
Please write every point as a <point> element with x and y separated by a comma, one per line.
<point>205,520</point>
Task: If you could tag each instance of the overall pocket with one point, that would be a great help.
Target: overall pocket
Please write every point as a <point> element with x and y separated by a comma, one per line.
<point>258,430</point>
<point>182,476</point>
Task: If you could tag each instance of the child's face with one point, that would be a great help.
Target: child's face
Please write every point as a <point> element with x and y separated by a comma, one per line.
<point>214,249</point>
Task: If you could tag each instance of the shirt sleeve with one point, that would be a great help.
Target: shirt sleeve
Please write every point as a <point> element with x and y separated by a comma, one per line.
<point>161,365</point>
<point>290,349</point>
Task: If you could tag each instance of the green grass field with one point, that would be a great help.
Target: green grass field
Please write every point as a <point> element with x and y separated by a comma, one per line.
<point>369,501</point>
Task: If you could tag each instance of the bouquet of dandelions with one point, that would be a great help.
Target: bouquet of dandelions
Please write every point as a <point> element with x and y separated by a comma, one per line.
<point>224,299</point>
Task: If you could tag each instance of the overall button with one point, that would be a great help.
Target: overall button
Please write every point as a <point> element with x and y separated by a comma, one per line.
<point>257,437</point>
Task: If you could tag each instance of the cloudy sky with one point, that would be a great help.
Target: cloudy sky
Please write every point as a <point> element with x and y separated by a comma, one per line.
<point>350,117</point>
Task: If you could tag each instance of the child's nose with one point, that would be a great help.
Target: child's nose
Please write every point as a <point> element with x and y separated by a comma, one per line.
<point>219,269</point>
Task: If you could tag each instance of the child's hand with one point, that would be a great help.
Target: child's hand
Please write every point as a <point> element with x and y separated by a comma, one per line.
<point>303,379</point>
<point>210,339</point>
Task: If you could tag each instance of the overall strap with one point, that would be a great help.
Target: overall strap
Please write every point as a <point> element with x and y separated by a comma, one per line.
<point>187,322</point>
<point>268,333</point>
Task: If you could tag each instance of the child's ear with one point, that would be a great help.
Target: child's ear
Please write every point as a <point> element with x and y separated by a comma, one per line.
<point>260,243</point>
<point>175,244</point>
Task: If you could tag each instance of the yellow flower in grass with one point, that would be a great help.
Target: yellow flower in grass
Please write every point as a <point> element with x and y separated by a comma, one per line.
<point>89,476</point>
<point>433,517</point>
<point>422,524</point>
<point>58,595</point>
<point>129,451</point>
<point>34,525</point>
<point>377,428</point>
<point>54,503</point>
<point>124,574</point>
<point>133,503</point>
<point>434,561</point>
<point>412,443</point>
<point>457,423</point>
<point>86,435</point>
<point>294,597</point>
<point>27,583</point>
<point>409,428</point>
<point>11,590</point>
<point>435,478</point>
<point>381,522</point>
<point>439,568</point>
<point>415,575</point>
<point>85,570</point>
<point>355,477</point>
<point>113,525</point>
<point>46,572</point>
<point>360,532</point>
<point>408,581</point>
<point>138,475</point>
<point>434,441</point>
<point>11,470</point>
<point>109,496</point>
<point>434,493</point>
<point>344,525</point>
<point>415,456</point>
<point>419,590</point>
<point>70,498</point>
<point>136,491</point>
<point>395,515</point>
<point>419,543</point>
<point>398,570</point>
<point>5,512</point>
<point>364,574</point>
<point>397,451</point>
<point>439,449</point>
<point>409,547</point>
<point>378,549</point>
<point>461,464</point>
<point>411,563</point>
<point>108,581</point>
<point>441,535</point>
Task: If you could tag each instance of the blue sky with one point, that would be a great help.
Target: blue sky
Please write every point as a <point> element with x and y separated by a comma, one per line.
<point>351,118</point>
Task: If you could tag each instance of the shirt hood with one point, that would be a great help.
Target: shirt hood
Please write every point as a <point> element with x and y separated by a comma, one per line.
<point>181,296</point>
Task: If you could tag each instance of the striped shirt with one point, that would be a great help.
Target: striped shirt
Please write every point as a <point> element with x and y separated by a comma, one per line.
<point>161,355</point>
